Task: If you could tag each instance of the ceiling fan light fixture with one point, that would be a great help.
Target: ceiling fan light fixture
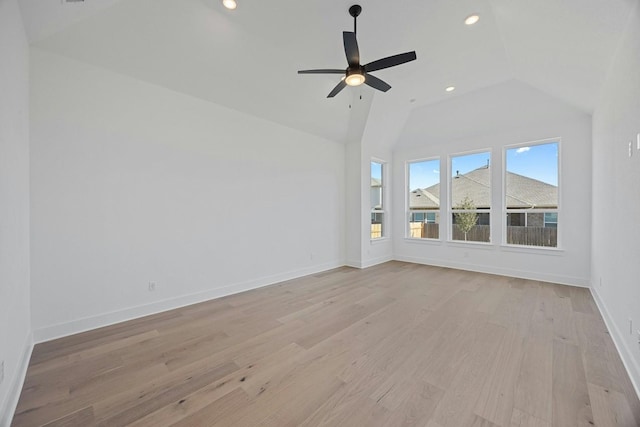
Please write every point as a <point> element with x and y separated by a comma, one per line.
<point>471,19</point>
<point>230,4</point>
<point>355,79</point>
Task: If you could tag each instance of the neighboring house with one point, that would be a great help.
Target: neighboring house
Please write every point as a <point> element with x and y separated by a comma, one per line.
<point>376,193</point>
<point>522,193</point>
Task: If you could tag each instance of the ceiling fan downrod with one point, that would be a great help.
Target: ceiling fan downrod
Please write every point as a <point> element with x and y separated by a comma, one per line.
<point>355,11</point>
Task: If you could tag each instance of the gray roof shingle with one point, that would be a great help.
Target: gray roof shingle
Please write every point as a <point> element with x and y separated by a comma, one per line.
<point>522,192</point>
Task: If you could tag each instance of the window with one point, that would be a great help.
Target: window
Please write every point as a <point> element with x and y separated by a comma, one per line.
<point>551,219</point>
<point>531,194</point>
<point>377,200</point>
<point>424,199</point>
<point>470,201</point>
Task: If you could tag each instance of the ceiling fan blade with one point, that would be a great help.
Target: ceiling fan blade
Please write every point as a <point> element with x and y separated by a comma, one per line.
<point>376,83</point>
<point>351,48</point>
<point>337,89</point>
<point>390,61</point>
<point>323,71</point>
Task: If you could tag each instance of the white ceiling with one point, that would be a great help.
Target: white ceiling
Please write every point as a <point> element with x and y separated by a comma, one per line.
<point>247,59</point>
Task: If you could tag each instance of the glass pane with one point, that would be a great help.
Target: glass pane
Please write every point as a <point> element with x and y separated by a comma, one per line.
<point>376,185</point>
<point>471,226</point>
<point>424,225</point>
<point>471,181</point>
<point>516,219</point>
<point>532,183</point>
<point>377,192</point>
<point>471,194</point>
<point>424,199</point>
<point>417,217</point>
<point>377,224</point>
<point>534,231</point>
<point>532,177</point>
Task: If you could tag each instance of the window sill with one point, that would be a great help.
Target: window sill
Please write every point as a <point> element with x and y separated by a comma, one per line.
<point>542,250</point>
<point>463,244</point>
<point>380,240</point>
<point>421,241</point>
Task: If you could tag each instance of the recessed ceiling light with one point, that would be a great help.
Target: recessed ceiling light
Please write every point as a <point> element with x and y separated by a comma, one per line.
<point>230,4</point>
<point>471,19</point>
<point>450,88</point>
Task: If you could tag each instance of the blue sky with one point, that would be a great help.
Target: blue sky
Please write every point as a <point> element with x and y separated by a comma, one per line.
<point>424,174</point>
<point>376,170</point>
<point>536,161</point>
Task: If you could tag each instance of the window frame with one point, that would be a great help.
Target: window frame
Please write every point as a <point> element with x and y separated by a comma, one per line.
<point>407,195</point>
<point>557,210</point>
<point>451,211</point>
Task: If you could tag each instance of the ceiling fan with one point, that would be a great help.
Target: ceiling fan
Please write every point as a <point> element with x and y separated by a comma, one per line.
<point>356,74</point>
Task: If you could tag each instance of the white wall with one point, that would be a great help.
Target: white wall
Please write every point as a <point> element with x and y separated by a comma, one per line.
<point>384,124</point>
<point>616,198</point>
<point>15,327</point>
<point>133,183</point>
<point>491,118</point>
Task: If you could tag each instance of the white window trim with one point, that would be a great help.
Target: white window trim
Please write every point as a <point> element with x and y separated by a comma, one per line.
<point>557,210</point>
<point>407,191</point>
<point>450,208</point>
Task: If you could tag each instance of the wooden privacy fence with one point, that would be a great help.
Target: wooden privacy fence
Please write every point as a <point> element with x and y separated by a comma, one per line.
<point>478,233</point>
<point>528,236</point>
<point>424,231</point>
<point>533,236</point>
<point>376,231</point>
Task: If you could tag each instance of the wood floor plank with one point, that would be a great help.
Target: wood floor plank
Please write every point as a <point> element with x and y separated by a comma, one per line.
<point>396,344</point>
<point>456,407</point>
<point>535,379</point>
<point>610,408</point>
<point>522,419</point>
<point>571,403</point>
<point>497,398</point>
<point>83,417</point>
<point>418,408</point>
<point>212,413</point>
<point>162,396</point>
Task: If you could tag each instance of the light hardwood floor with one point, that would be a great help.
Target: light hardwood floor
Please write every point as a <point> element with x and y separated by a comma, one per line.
<point>393,345</point>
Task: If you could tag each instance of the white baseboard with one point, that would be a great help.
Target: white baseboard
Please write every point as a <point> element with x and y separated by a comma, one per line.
<point>369,263</point>
<point>106,319</point>
<point>531,275</point>
<point>8,407</point>
<point>630,364</point>
<point>354,264</point>
<point>375,261</point>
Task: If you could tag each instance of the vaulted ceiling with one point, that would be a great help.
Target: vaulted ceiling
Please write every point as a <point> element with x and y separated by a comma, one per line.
<point>247,59</point>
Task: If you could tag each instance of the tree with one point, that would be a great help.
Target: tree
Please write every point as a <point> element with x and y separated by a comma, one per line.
<point>466,220</point>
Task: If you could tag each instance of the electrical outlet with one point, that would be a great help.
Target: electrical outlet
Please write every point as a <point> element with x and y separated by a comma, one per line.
<point>630,326</point>
<point>1,372</point>
<point>152,286</point>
